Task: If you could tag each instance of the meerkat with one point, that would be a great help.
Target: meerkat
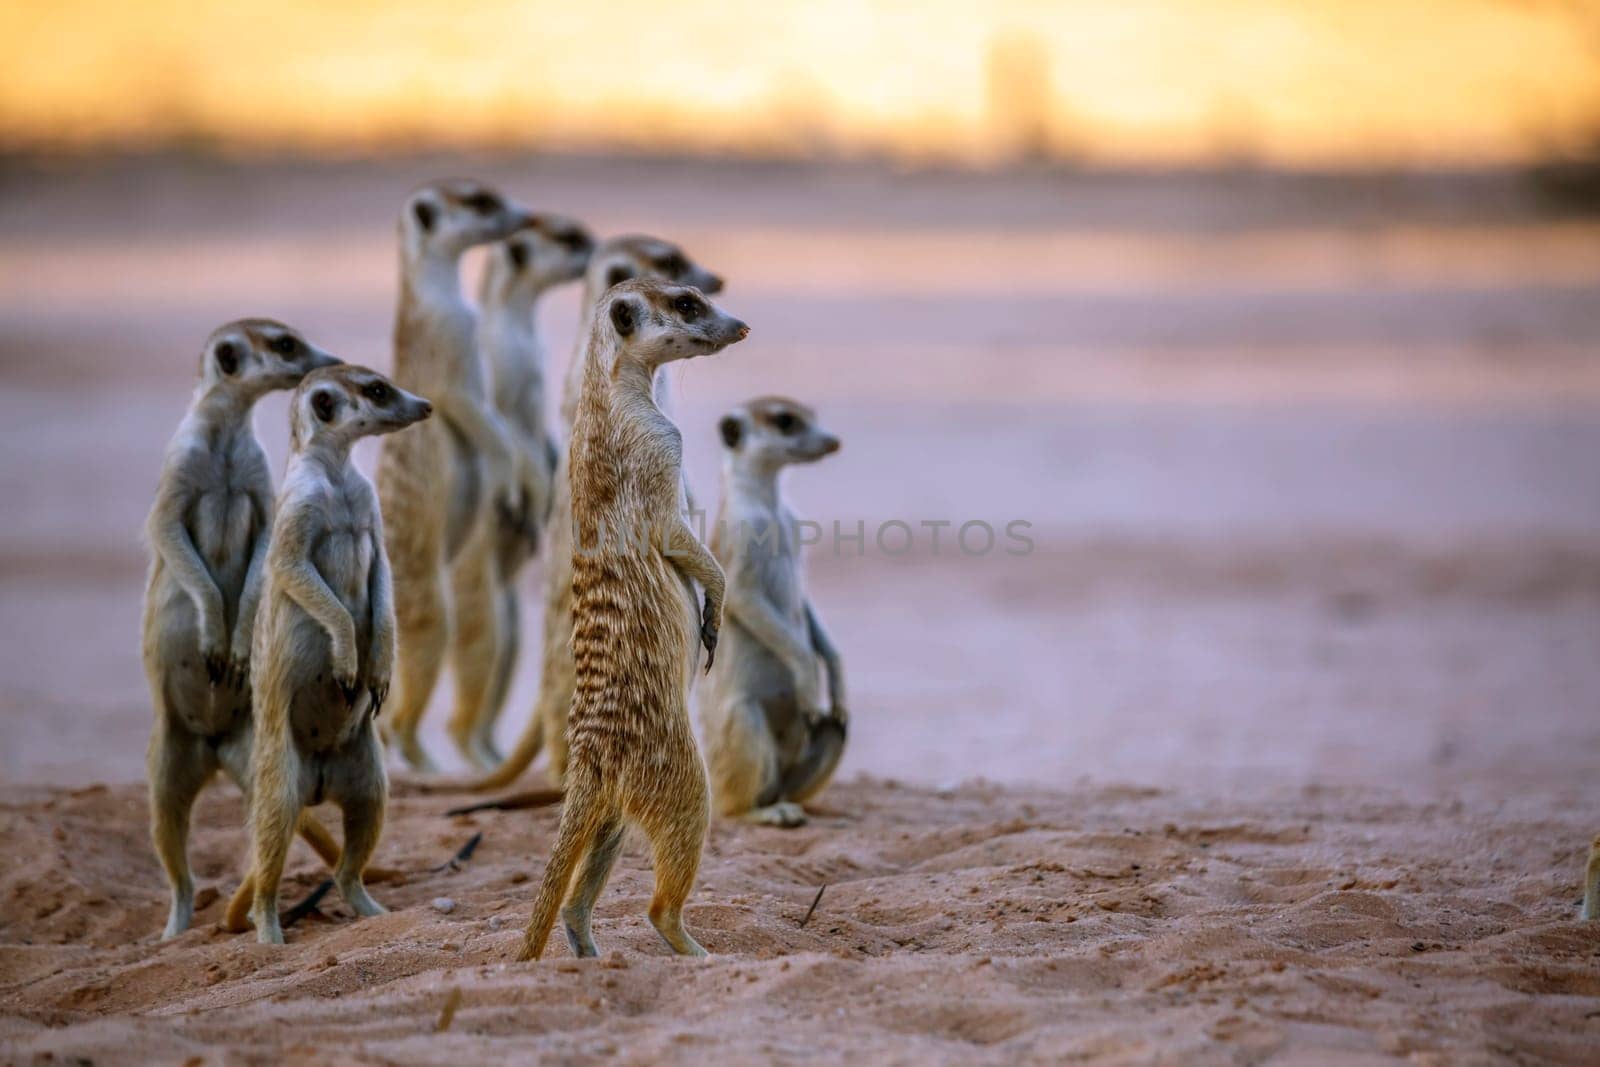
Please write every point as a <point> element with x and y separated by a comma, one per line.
<point>548,252</point>
<point>325,639</point>
<point>435,483</point>
<point>208,532</point>
<point>770,745</point>
<point>616,260</point>
<point>632,750</point>
<point>1591,882</point>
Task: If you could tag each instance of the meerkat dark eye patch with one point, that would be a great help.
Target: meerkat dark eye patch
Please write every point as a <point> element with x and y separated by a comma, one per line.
<point>285,344</point>
<point>377,392</point>
<point>688,307</point>
<point>324,404</point>
<point>617,275</point>
<point>228,358</point>
<point>483,203</point>
<point>673,266</point>
<point>426,215</point>
<point>622,317</point>
<point>732,431</point>
<point>517,253</point>
<point>785,423</point>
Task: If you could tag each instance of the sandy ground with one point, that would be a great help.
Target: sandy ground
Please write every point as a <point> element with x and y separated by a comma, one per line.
<point>985,925</point>
<point>1278,746</point>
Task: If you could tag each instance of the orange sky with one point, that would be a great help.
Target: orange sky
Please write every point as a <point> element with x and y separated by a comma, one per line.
<point>1299,82</point>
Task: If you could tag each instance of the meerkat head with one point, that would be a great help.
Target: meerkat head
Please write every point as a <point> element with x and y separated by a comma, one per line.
<point>550,250</point>
<point>657,322</point>
<point>340,404</point>
<point>773,432</point>
<point>621,259</point>
<point>449,217</point>
<point>257,356</point>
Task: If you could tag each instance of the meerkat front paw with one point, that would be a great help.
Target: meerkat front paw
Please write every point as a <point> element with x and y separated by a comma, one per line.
<point>710,616</point>
<point>379,692</point>
<point>216,662</point>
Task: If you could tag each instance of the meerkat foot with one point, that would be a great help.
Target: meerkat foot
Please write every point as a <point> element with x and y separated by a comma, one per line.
<point>180,916</point>
<point>268,930</point>
<point>785,813</point>
<point>669,924</point>
<point>412,753</point>
<point>355,894</point>
<point>579,934</point>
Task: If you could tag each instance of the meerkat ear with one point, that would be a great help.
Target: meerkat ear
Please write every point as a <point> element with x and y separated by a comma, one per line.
<point>623,317</point>
<point>228,358</point>
<point>426,214</point>
<point>732,430</point>
<point>618,274</point>
<point>517,253</point>
<point>324,404</point>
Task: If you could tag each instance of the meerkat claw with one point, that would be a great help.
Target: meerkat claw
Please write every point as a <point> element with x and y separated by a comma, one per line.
<point>378,693</point>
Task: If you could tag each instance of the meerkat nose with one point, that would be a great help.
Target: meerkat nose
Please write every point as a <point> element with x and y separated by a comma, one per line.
<point>426,408</point>
<point>741,329</point>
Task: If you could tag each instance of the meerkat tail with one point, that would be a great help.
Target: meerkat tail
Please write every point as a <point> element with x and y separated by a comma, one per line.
<point>584,812</point>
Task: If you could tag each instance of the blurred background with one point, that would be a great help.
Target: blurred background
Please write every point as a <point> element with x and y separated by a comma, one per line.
<point>1280,323</point>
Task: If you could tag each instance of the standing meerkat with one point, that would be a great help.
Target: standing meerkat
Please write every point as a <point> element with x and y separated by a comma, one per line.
<point>208,532</point>
<point>769,743</point>
<point>616,260</point>
<point>632,749</point>
<point>550,251</point>
<point>436,482</point>
<point>325,639</point>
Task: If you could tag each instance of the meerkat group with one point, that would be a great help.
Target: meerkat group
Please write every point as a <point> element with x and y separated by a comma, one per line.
<point>274,624</point>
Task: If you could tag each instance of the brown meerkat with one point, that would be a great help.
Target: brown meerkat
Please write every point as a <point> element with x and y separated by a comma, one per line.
<point>436,481</point>
<point>325,638</point>
<point>208,532</point>
<point>632,753</point>
<point>550,251</point>
<point>616,260</point>
<point>770,745</point>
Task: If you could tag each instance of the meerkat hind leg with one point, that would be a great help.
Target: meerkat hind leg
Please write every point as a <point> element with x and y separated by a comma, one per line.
<point>362,796</point>
<point>824,747</point>
<point>505,665</point>
<point>577,915</point>
<point>421,637</point>
<point>475,647</point>
<point>676,838</point>
<point>275,808</point>
<point>180,766</point>
<point>1591,883</point>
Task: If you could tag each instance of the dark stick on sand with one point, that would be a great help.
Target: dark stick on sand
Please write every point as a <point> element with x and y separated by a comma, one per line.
<point>814,902</point>
<point>533,798</point>
<point>463,854</point>
<point>308,905</point>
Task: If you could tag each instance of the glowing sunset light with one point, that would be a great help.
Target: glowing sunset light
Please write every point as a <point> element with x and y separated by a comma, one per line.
<point>1317,82</point>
